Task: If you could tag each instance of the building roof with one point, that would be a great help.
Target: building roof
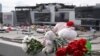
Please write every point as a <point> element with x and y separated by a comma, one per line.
<point>42,6</point>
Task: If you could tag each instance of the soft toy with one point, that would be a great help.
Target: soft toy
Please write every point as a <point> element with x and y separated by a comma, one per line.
<point>63,30</point>
<point>48,46</point>
<point>67,33</point>
<point>59,26</point>
<point>48,41</point>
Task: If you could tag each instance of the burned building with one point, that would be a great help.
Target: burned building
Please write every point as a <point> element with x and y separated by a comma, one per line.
<point>23,15</point>
<point>89,16</point>
<point>48,13</point>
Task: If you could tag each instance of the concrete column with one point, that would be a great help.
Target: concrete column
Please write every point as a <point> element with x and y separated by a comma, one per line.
<point>14,18</point>
<point>32,16</point>
<point>77,22</point>
<point>52,10</point>
<point>71,15</point>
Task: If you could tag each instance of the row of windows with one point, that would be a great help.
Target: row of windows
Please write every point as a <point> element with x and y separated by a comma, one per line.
<point>61,17</point>
<point>91,22</point>
<point>23,17</point>
<point>87,13</point>
<point>42,17</point>
<point>45,17</point>
<point>88,28</point>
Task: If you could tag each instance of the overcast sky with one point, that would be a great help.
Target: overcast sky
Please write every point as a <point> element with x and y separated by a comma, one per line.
<point>8,5</point>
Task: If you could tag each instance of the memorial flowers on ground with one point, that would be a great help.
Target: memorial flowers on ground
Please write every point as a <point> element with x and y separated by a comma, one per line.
<point>62,44</point>
<point>74,48</point>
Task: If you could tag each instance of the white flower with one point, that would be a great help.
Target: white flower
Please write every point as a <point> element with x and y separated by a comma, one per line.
<point>24,45</point>
<point>26,39</point>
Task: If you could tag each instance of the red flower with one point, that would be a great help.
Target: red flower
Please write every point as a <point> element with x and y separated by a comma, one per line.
<point>82,42</point>
<point>70,23</point>
<point>75,48</point>
<point>78,53</point>
<point>68,50</point>
<point>85,50</point>
<point>61,52</point>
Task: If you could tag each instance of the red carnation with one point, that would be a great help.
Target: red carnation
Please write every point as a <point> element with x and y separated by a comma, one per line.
<point>82,42</point>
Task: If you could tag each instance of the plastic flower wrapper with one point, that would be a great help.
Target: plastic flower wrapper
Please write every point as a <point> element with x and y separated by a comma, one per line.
<point>59,42</point>
<point>88,45</point>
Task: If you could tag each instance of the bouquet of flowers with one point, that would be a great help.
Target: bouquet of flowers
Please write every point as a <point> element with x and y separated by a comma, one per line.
<point>75,48</point>
<point>34,47</point>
